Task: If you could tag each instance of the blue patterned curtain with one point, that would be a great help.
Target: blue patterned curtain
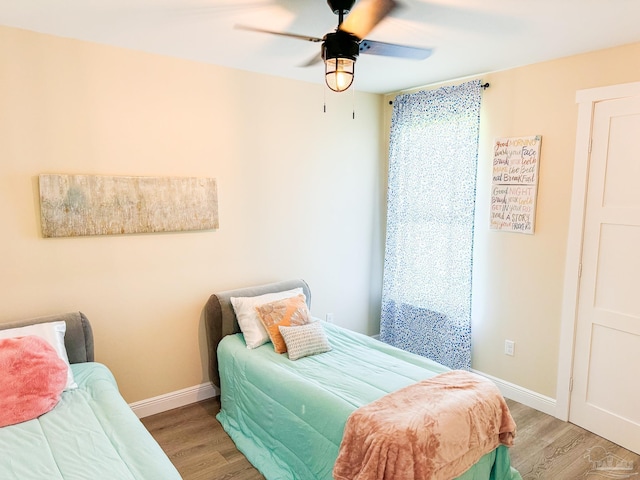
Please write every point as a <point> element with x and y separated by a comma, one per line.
<point>426,297</point>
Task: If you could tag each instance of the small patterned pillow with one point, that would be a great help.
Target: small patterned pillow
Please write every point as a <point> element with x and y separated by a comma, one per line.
<point>288,311</point>
<point>305,340</point>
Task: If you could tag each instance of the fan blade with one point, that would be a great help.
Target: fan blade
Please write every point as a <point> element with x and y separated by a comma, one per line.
<point>366,15</point>
<point>393,50</point>
<point>313,61</point>
<point>283,34</point>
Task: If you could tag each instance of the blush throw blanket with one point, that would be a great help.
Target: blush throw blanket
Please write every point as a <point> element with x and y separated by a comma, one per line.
<point>435,429</point>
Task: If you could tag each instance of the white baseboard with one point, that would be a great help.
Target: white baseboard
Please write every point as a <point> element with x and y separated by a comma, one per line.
<point>194,394</point>
<point>522,395</point>
<point>172,400</point>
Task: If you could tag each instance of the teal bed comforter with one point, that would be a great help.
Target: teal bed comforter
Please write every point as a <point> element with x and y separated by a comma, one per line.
<point>288,417</point>
<point>91,434</point>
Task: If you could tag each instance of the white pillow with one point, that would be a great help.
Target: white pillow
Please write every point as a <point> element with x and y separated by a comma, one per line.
<point>250,324</point>
<point>53,333</point>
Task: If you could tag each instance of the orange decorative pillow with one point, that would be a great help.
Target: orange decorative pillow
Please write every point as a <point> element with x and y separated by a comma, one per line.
<point>286,312</point>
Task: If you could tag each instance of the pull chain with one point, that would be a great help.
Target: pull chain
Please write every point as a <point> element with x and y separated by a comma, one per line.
<point>353,103</point>
<point>324,97</point>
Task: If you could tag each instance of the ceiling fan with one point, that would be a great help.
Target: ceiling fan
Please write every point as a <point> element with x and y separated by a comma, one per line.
<point>341,48</point>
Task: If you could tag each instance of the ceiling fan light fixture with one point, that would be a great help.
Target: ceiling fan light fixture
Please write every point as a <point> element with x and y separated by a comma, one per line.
<point>339,52</point>
<point>338,73</point>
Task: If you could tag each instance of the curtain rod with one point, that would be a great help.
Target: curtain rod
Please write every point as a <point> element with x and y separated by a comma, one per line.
<point>484,87</point>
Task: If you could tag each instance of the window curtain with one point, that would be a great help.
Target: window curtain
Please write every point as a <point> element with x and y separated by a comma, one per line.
<point>426,297</point>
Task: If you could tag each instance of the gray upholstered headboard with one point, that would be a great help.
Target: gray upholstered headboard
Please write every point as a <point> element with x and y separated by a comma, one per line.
<point>78,339</point>
<point>220,319</point>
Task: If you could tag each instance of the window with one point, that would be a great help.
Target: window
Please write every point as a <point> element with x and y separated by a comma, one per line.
<point>426,298</point>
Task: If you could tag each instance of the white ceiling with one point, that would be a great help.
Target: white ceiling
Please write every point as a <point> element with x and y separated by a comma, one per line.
<point>469,36</point>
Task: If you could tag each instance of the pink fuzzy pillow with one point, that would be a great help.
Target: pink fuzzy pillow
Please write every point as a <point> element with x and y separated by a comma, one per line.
<point>32,379</point>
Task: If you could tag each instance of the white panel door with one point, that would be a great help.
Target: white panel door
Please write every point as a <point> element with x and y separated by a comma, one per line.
<point>606,385</point>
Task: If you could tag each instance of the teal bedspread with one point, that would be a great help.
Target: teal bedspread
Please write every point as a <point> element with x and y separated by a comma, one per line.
<point>288,417</point>
<point>91,434</point>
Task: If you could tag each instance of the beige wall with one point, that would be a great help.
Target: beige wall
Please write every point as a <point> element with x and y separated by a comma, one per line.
<point>518,279</point>
<point>299,196</point>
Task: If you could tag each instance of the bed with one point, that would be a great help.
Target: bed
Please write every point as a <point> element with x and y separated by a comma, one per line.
<point>288,417</point>
<point>91,433</point>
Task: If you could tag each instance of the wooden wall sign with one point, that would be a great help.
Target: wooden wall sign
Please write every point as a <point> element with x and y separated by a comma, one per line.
<point>514,185</point>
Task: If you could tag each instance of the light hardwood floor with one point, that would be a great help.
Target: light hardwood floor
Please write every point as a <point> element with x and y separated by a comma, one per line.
<point>546,448</point>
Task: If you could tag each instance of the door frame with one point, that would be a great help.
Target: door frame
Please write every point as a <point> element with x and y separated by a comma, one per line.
<point>586,100</point>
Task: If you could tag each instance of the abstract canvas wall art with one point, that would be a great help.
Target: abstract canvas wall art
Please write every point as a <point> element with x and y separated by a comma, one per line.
<point>77,205</point>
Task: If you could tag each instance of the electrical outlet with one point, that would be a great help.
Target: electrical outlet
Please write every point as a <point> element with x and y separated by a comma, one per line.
<point>509,347</point>
<point>329,318</point>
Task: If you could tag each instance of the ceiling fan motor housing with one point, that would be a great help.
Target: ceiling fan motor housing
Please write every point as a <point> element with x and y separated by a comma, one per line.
<point>340,44</point>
